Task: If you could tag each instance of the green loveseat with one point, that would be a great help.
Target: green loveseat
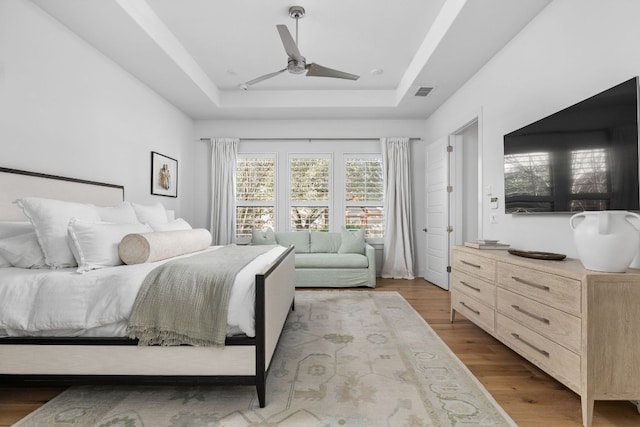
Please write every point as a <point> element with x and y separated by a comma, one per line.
<point>325,259</point>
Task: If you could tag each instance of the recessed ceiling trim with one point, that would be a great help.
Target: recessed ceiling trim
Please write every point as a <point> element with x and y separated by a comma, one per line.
<point>441,25</point>
<point>174,49</point>
<point>313,98</point>
<point>142,14</point>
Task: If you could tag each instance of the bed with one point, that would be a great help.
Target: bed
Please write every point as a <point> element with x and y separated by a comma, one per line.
<point>97,356</point>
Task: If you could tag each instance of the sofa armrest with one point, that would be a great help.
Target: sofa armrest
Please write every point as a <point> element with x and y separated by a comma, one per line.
<point>370,252</point>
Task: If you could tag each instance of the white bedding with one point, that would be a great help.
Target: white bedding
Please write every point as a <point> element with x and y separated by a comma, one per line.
<point>65,303</point>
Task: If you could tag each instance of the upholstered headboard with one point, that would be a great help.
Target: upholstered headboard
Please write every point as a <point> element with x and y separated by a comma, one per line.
<point>18,183</point>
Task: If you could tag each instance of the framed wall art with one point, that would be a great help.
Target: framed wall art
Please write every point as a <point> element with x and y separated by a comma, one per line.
<point>164,175</point>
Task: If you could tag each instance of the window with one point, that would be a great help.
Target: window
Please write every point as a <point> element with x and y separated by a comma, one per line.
<point>309,198</point>
<point>364,194</point>
<point>320,186</point>
<point>255,193</point>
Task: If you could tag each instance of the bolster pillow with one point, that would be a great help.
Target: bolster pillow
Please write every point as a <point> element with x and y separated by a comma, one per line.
<point>138,248</point>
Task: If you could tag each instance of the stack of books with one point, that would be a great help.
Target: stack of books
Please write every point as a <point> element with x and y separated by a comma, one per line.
<point>487,244</point>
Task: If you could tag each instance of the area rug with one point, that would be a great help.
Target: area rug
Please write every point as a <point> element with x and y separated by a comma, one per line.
<point>346,358</point>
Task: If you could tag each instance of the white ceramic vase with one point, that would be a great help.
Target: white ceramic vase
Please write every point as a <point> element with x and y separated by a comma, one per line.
<point>606,240</point>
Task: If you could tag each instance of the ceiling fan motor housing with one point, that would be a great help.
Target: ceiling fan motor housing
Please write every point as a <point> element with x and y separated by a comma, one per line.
<point>296,67</point>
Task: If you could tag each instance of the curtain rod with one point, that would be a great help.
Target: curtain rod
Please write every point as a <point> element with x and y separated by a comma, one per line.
<point>311,139</point>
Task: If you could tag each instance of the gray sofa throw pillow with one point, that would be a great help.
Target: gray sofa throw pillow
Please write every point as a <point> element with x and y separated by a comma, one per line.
<point>263,237</point>
<point>352,241</point>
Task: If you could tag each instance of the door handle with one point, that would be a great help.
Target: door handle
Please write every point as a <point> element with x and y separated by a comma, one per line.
<point>424,229</point>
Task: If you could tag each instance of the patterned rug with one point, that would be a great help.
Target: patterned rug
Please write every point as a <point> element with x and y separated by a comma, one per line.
<point>346,358</point>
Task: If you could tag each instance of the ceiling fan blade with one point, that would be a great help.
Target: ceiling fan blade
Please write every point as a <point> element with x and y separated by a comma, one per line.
<point>265,77</point>
<point>289,44</point>
<point>316,70</point>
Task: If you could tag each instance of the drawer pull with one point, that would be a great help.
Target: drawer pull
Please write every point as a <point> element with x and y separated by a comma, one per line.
<point>469,286</point>
<point>534,316</point>
<point>535,285</point>
<point>469,263</point>
<point>469,308</point>
<point>542,352</point>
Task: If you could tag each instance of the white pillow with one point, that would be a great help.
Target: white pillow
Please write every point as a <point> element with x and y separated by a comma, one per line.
<point>95,244</point>
<point>23,251</point>
<point>176,224</point>
<point>50,218</point>
<point>10,229</point>
<point>150,214</point>
<point>122,213</point>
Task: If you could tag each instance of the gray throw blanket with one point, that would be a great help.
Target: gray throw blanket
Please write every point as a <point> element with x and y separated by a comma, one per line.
<point>186,301</point>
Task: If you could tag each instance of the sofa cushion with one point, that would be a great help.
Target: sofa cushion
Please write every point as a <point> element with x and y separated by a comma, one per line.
<point>299,239</point>
<point>352,241</point>
<point>322,241</point>
<point>324,260</point>
<point>263,237</point>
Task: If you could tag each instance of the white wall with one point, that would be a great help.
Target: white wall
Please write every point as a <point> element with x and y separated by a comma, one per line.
<point>66,109</point>
<point>572,50</point>
<point>317,129</point>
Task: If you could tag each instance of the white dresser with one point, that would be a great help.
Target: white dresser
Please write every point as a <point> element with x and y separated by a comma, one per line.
<point>581,327</point>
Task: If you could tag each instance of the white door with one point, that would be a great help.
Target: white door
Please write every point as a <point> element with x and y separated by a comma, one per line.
<point>437,206</point>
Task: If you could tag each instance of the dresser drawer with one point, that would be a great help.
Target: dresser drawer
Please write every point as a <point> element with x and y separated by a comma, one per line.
<point>559,362</point>
<point>557,291</point>
<point>558,326</point>
<point>474,287</point>
<point>474,310</point>
<point>474,264</point>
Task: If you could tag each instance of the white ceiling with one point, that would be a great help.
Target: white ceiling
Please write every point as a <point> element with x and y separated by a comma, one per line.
<point>196,53</point>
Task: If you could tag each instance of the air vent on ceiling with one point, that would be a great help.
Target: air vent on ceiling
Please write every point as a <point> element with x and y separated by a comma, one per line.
<point>423,91</point>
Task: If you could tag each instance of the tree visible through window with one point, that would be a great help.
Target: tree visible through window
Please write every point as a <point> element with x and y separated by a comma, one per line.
<point>309,199</point>
<point>255,193</point>
<point>309,191</point>
<point>364,194</point>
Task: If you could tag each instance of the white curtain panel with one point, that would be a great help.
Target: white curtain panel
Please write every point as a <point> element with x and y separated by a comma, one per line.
<point>224,152</point>
<point>398,232</point>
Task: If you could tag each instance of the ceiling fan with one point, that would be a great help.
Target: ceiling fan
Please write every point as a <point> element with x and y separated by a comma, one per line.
<point>297,64</point>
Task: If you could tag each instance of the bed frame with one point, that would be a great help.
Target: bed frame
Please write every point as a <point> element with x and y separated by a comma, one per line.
<point>38,361</point>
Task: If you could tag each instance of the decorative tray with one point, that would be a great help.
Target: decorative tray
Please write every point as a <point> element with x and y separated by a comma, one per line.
<point>549,256</point>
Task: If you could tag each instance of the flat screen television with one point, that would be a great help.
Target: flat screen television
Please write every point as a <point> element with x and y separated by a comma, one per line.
<point>582,158</point>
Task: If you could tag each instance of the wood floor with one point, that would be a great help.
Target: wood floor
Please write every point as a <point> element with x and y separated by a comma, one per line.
<point>529,396</point>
